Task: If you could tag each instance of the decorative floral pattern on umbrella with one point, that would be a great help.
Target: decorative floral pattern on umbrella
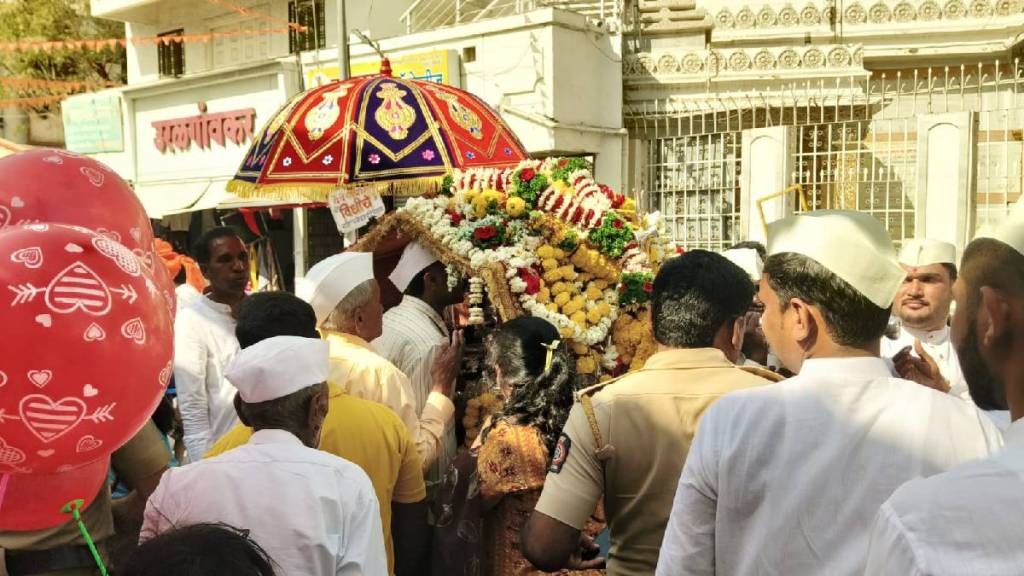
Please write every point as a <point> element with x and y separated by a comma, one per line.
<point>399,136</point>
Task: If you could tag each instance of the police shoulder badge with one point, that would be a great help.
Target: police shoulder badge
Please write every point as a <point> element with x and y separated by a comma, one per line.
<point>561,454</point>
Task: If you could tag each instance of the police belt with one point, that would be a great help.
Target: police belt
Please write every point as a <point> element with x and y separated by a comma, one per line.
<point>28,562</point>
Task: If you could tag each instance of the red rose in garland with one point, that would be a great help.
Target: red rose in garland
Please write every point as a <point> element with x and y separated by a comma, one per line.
<point>485,233</point>
<point>527,174</point>
<point>455,217</point>
<point>531,280</point>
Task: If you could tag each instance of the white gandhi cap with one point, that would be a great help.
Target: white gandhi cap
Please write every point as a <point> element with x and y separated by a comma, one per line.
<point>330,280</point>
<point>852,245</point>
<point>747,259</point>
<point>414,259</point>
<point>1010,231</point>
<point>279,366</point>
<point>925,252</point>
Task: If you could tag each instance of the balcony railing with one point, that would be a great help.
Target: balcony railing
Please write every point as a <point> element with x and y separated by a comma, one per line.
<point>431,14</point>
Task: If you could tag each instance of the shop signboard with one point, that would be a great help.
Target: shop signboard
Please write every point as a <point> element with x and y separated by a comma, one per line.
<point>92,123</point>
<point>440,66</point>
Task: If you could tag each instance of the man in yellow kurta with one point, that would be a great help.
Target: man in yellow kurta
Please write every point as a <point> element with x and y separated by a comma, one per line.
<point>346,298</point>
<point>362,432</point>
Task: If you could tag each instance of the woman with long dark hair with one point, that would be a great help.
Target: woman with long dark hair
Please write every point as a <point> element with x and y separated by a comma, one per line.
<point>536,374</point>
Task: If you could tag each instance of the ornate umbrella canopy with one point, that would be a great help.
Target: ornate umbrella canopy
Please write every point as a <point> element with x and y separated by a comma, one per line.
<point>399,136</point>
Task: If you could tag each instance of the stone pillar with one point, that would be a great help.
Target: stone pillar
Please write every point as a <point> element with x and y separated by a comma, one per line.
<point>767,164</point>
<point>945,205</point>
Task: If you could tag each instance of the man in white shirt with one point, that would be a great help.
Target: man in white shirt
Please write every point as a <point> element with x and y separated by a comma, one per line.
<point>970,520</point>
<point>204,341</point>
<point>786,479</point>
<point>346,298</point>
<point>414,333</point>
<point>313,512</point>
<point>923,351</point>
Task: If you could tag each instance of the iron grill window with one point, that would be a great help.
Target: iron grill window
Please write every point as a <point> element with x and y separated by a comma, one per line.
<point>171,55</point>
<point>308,13</point>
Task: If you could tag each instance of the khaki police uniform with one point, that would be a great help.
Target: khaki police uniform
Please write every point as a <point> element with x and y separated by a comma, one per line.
<point>143,456</point>
<point>627,439</point>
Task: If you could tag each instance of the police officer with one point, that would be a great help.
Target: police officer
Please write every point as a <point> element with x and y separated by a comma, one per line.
<point>627,439</point>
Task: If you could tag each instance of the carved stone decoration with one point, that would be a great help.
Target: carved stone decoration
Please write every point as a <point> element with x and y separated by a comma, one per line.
<point>929,11</point>
<point>764,60</point>
<point>745,18</point>
<point>813,58</point>
<point>1005,7</point>
<point>858,56</point>
<point>981,9</point>
<point>904,12</point>
<point>691,64</point>
<point>631,66</point>
<point>789,17</point>
<point>839,57</point>
<point>789,59</point>
<point>715,62</point>
<point>828,15</point>
<point>810,15</point>
<point>767,17</point>
<point>725,19</point>
<point>856,14</point>
<point>954,10</point>
<point>879,13</point>
<point>739,61</point>
<point>667,64</point>
<point>647,63</point>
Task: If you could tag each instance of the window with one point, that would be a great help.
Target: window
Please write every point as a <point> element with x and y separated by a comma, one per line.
<point>171,55</point>
<point>308,13</point>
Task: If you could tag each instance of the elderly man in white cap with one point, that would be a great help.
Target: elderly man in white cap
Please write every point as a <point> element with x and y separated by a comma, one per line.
<point>786,479</point>
<point>969,519</point>
<point>346,298</point>
<point>414,334</point>
<point>313,512</point>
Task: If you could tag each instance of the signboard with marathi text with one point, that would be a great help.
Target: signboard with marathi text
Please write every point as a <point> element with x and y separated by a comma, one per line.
<point>353,209</point>
<point>92,123</point>
<point>440,66</point>
<point>204,129</point>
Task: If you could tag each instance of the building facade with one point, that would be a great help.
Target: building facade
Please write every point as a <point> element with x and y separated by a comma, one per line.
<point>722,114</point>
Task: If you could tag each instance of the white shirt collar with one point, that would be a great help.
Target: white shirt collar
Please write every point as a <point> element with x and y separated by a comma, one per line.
<point>1014,434</point>
<point>939,336</point>
<point>274,436</point>
<point>215,306</point>
<point>862,367</point>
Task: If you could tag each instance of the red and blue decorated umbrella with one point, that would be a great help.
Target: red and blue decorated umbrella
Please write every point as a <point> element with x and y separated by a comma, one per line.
<point>398,136</point>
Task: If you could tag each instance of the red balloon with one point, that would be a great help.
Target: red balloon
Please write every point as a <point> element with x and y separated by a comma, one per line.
<point>87,347</point>
<point>50,185</point>
<point>34,501</point>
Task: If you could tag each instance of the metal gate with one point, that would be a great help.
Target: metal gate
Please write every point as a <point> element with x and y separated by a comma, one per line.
<point>856,146</point>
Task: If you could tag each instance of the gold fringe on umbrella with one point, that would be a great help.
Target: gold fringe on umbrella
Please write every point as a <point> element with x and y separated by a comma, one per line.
<point>320,193</point>
<point>493,275</point>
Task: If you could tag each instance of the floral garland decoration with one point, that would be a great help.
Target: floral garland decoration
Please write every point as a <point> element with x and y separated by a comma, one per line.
<point>635,288</point>
<point>613,236</point>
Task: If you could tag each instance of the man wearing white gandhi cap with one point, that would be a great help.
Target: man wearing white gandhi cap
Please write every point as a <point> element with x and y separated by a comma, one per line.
<point>346,299</point>
<point>786,479</point>
<point>922,305</point>
<point>313,512</point>
<point>969,519</point>
<point>414,334</point>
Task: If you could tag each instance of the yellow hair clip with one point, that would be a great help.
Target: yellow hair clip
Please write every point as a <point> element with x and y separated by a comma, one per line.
<point>551,353</point>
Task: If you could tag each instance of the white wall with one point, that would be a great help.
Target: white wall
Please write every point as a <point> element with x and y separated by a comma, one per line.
<point>555,80</point>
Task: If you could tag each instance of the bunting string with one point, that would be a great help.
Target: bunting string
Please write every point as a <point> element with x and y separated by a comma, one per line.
<point>256,14</point>
<point>111,43</point>
<point>65,86</point>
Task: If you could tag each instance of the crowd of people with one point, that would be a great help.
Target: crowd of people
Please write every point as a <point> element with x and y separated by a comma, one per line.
<point>819,406</point>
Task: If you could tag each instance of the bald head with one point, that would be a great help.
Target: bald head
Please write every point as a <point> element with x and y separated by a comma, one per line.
<point>988,327</point>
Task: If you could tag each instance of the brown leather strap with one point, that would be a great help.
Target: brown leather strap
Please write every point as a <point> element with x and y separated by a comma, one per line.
<point>603,451</point>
